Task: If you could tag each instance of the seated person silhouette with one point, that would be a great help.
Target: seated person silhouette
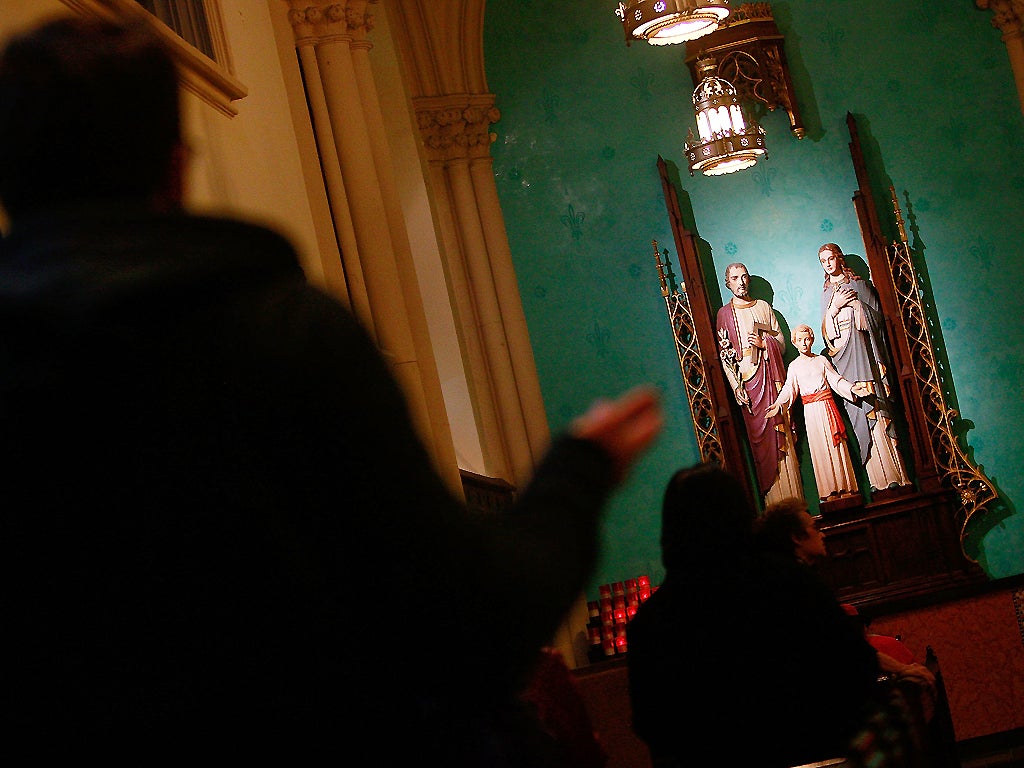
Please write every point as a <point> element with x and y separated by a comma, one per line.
<point>739,651</point>
<point>788,529</point>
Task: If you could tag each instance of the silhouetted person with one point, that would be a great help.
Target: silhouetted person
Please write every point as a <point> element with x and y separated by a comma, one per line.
<point>745,656</point>
<point>554,696</point>
<point>788,529</point>
<point>220,533</point>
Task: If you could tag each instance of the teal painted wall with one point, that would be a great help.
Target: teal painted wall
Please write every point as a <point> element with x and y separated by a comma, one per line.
<point>583,120</point>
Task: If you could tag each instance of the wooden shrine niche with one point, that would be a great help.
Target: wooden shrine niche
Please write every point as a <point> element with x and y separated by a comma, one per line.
<point>889,545</point>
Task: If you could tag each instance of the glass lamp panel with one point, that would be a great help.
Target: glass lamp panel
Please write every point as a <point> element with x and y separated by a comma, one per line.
<point>723,119</point>
<point>714,123</point>
<point>730,164</point>
<point>686,28</point>
<point>702,127</point>
<point>738,125</point>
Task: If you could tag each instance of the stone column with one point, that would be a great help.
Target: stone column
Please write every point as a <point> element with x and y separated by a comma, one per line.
<point>442,46</point>
<point>401,249</point>
<point>305,43</point>
<point>478,377</point>
<point>1008,18</point>
<point>337,32</point>
<point>456,132</point>
<point>510,305</point>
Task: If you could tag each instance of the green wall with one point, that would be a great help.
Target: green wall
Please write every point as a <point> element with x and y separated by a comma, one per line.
<point>584,118</point>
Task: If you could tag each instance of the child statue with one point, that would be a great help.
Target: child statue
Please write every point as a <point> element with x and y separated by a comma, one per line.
<point>813,379</point>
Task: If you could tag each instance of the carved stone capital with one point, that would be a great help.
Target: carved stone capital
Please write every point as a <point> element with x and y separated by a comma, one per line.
<point>323,18</point>
<point>456,127</point>
<point>1006,14</point>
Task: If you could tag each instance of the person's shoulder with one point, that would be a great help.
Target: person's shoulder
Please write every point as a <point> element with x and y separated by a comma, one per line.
<point>859,283</point>
<point>236,235</point>
<point>775,570</point>
<point>211,247</point>
<point>238,226</point>
<point>249,263</point>
<point>180,237</point>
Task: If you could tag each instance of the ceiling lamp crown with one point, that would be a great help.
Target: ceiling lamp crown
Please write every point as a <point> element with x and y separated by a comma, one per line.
<point>662,22</point>
<point>727,142</point>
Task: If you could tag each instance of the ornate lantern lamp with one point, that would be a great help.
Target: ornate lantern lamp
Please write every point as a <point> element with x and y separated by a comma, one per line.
<point>727,141</point>
<point>663,22</point>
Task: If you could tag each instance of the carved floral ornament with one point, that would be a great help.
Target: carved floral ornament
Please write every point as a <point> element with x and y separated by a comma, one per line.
<point>1007,15</point>
<point>349,17</point>
<point>457,131</point>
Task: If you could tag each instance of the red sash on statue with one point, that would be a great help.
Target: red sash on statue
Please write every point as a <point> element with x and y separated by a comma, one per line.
<point>835,421</point>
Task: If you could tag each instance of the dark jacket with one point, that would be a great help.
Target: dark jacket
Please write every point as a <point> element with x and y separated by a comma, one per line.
<point>767,666</point>
<point>740,654</point>
<point>217,519</point>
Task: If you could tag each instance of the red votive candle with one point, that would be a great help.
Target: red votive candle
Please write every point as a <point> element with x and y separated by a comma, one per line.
<point>621,643</point>
<point>608,643</point>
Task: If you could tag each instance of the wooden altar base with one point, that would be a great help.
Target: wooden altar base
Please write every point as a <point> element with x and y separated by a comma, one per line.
<point>899,547</point>
<point>831,506</point>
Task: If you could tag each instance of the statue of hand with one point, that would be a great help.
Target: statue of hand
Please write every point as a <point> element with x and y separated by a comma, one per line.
<point>843,297</point>
<point>741,396</point>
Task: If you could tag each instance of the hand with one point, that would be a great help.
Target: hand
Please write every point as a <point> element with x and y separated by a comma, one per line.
<point>919,674</point>
<point>843,297</point>
<point>624,427</point>
<point>741,396</point>
<point>771,410</point>
<point>756,340</point>
<point>861,389</point>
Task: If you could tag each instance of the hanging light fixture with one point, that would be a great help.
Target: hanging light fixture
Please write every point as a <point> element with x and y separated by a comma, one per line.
<point>662,22</point>
<point>727,142</point>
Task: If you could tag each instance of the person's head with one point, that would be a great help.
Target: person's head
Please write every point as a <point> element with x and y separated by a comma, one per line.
<point>737,280</point>
<point>802,338</point>
<point>787,528</point>
<point>706,516</point>
<point>832,259</point>
<point>89,111</point>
